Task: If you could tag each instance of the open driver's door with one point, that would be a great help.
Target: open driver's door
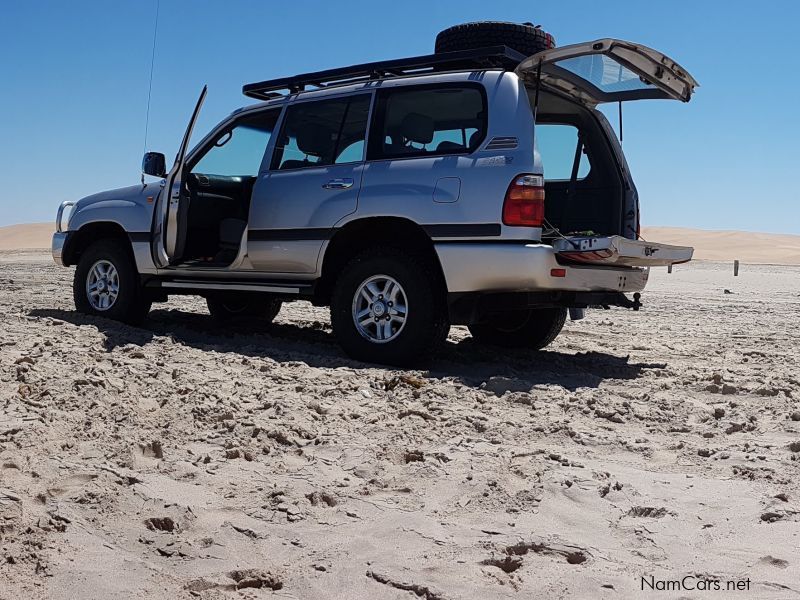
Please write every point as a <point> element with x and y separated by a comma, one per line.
<point>169,225</point>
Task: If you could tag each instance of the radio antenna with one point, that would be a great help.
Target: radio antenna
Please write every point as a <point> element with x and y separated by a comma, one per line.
<point>150,86</point>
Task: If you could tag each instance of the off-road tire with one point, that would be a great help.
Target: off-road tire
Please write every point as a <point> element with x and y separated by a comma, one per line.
<point>533,329</point>
<point>227,308</point>
<point>131,305</point>
<point>522,37</point>
<point>426,323</point>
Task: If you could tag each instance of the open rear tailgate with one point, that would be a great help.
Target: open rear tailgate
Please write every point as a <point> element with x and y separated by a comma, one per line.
<point>617,250</point>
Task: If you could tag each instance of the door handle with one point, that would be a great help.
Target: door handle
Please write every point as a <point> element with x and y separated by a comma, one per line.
<point>338,184</point>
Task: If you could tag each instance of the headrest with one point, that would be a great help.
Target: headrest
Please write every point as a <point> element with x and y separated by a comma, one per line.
<point>449,146</point>
<point>417,128</point>
<point>473,139</point>
<point>314,140</point>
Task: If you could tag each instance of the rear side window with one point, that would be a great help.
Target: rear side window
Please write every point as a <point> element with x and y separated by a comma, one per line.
<point>557,144</point>
<point>321,133</point>
<point>428,121</point>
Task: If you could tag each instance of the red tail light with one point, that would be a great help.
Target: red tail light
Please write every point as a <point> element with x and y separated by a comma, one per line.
<point>524,203</point>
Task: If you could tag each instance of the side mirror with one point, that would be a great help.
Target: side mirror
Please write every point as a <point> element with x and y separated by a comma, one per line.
<point>154,164</point>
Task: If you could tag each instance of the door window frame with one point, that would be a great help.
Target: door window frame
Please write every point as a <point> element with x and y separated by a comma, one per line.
<point>375,143</point>
<point>199,151</point>
<point>269,164</point>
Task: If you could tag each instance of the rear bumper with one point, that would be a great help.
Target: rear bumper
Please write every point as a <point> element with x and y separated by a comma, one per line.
<point>493,267</point>
<point>57,247</point>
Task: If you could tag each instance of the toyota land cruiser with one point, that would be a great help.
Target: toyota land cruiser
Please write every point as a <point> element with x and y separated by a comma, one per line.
<point>476,186</point>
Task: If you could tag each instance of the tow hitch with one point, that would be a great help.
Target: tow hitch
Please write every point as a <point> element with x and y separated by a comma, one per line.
<point>600,300</point>
<point>635,304</point>
<point>621,300</point>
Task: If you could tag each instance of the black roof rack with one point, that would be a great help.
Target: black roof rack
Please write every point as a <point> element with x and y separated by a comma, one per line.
<point>491,57</point>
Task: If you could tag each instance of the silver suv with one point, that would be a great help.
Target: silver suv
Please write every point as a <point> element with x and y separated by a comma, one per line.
<point>407,195</point>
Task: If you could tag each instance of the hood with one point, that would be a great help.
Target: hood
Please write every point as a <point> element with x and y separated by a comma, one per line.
<point>131,207</point>
<point>136,194</point>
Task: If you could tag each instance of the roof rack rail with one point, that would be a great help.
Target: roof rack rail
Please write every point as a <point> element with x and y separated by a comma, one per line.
<point>491,57</point>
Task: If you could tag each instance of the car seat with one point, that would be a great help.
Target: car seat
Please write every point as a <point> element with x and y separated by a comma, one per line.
<point>312,140</point>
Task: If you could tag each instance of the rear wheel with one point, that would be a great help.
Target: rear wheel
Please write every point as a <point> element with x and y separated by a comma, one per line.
<point>106,283</point>
<point>387,307</point>
<point>237,307</point>
<point>533,328</point>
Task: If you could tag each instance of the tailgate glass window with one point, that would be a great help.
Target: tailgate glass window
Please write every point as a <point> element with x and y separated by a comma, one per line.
<point>604,73</point>
<point>608,70</point>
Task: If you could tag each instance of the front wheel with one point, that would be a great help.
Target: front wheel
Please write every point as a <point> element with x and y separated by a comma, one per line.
<point>226,308</point>
<point>533,328</point>
<point>387,307</point>
<point>107,284</point>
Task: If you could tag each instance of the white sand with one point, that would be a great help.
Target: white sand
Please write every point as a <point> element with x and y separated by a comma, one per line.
<point>184,460</point>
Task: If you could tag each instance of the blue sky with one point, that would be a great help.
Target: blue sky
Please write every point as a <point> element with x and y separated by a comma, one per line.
<point>75,76</point>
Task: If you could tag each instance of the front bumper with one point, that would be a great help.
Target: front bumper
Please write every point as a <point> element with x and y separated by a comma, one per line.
<point>59,241</point>
<point>60,236</point>
<point>504,267</point>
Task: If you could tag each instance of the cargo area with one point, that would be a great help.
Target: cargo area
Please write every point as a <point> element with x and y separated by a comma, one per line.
<point>584,187</point>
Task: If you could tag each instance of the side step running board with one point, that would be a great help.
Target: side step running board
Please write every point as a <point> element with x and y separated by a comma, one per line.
<point>294,288</point>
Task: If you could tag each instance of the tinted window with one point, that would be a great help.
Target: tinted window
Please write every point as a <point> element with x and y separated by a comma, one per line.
<point>557,144</point>
<point>604,73</point>
<point>239,150</point>
<point>353,153</point>
<point>323,133</point>
<point>428,121</point>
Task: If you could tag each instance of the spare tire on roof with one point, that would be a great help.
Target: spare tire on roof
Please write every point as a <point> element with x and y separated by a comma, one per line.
<point>525,38</point>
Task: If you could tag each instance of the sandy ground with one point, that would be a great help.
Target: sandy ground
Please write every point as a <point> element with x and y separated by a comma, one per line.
<point>180,460</point>
<point>747,247</point>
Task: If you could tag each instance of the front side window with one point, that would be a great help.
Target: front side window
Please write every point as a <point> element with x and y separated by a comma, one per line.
<point>428,121</point>
<point>323,132</point>
<point>237,151</point>
<point>557,144</point>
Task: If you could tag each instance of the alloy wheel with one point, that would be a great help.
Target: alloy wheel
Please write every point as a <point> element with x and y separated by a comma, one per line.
<point>102,285</point>
<point>380,309</point>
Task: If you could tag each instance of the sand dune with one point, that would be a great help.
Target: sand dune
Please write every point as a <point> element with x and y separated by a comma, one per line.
<point>26,236</point>
<point>758,248</point>
<point>748,247</point>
